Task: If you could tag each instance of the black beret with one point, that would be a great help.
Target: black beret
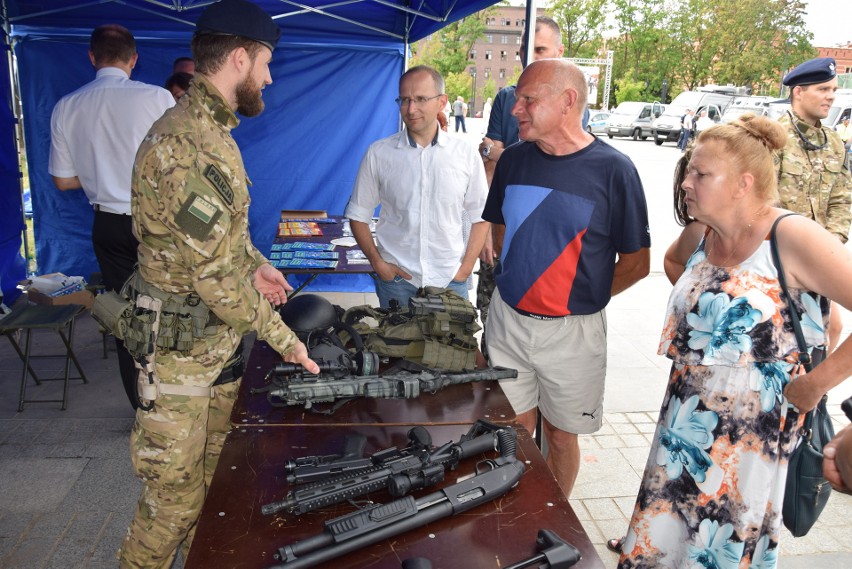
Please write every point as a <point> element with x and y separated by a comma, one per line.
<point>239,18</point>
<point>811,72</point>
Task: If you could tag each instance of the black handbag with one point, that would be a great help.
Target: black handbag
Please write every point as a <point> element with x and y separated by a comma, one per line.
<point>807,491</point>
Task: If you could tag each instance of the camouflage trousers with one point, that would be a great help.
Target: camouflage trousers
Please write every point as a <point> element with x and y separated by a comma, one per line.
<point>484,292</point>
<point>174,449</point>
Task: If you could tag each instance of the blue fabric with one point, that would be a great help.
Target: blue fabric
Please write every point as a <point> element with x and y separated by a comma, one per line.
<point>566,218</point>
<point>335,81</point>
<point>290,155</point>
<point>12,265</point>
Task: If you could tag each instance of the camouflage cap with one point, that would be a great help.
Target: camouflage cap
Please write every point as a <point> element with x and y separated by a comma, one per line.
<point>811,72</point>
<point>239,18</point>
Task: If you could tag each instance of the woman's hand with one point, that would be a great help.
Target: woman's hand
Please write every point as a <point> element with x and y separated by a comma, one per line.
<point>801,392</point>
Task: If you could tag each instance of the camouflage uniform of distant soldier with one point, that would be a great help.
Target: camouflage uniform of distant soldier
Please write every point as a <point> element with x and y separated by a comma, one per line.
<point>190,213</point>
<point>815,183</point>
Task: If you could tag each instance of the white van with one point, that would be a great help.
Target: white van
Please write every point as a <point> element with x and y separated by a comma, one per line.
<point>633,118</point>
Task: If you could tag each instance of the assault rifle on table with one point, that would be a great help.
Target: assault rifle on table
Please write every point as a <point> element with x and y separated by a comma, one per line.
<point>381,521</point>
<point>292,385</point>
<point>336,479</point>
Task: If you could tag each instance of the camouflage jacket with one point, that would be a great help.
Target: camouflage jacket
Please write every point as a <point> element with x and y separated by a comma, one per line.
<point>190,203</point>
<point>815,183</point>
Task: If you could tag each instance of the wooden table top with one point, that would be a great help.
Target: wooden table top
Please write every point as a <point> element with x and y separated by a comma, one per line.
<point>456,404</point>
<point>233,533</point>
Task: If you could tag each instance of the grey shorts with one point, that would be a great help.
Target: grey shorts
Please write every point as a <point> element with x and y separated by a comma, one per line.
<point>561,364</point>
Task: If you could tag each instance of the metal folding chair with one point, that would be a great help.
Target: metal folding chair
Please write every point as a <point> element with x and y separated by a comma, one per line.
<point>31,317</point>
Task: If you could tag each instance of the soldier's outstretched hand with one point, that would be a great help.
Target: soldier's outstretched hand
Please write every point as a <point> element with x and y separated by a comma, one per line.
<point>299,355</point>
<point>271,284</point>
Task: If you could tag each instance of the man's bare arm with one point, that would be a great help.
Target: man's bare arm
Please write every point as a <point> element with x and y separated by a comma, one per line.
<point>67,183</point>
<point>630,268</point>
<point>478,232</point>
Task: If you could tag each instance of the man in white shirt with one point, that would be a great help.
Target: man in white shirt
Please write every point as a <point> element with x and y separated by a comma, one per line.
<point>94,134</point>
<point>425,180</point>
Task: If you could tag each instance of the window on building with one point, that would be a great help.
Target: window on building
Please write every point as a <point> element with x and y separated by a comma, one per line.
<point>523,22</point>
<point>487,72</point>
<point>487,54</point>
<point>517,56</point>
<point>502,56</point>
<point>518,40</point>
<point>504,39</point>
<point>502,21</point>
<point>472,54</point>
<point>517,23</point>
<point>489,38</point>
<point>508,22</point>
<point>502,73</point>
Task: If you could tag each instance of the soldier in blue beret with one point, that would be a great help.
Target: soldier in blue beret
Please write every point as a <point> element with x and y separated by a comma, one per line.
<point>190,206</point>
<point>812,176</point>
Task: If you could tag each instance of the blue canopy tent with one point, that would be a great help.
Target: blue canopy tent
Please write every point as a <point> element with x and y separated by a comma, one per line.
<point>335,74</point>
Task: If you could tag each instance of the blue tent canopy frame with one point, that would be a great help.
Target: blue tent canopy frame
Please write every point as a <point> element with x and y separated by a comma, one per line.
<point>335,74</point>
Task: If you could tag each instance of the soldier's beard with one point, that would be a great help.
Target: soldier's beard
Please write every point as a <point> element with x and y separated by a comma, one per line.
<point>249,98</point>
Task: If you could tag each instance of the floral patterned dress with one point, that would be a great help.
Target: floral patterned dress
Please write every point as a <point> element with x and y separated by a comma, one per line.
<point>713,486</point>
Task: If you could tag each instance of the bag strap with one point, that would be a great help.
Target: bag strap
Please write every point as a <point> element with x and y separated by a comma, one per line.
<point>804,357</point>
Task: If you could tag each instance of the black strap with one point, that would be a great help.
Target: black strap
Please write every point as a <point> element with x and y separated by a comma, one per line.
<point>804,356</point>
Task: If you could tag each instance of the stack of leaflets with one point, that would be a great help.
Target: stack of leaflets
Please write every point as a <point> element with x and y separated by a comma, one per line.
<point>302,255</point>
<point>298,229</point>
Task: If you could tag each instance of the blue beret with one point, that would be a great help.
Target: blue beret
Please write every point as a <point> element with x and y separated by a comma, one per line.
<point>239,18</point>
<point>811,72</point>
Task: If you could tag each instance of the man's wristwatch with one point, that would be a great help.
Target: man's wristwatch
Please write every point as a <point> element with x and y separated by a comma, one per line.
<point>486,150</point>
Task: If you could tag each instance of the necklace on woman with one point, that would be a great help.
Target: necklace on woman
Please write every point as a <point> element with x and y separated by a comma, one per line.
<point>747,233</point>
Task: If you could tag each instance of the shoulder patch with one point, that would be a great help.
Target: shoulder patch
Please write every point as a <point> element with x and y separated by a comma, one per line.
<point>197,217</point>
<point>217,178</point>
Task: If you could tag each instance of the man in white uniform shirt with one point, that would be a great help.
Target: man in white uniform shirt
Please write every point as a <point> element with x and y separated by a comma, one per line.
<point>425,180</point>
<point>94,134</point>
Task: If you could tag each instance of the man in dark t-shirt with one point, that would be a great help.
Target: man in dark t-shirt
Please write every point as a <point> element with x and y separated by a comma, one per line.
<point>571,227</point>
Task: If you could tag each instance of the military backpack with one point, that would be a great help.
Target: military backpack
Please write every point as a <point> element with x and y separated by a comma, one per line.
<point>436,329</point>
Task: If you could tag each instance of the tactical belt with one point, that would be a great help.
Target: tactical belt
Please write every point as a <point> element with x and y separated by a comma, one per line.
<point>233,371</point>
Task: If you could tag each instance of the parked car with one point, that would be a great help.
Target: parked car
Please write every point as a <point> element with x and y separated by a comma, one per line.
<point>633,119</point>
<point>666,128</point>
<point>597,122</point>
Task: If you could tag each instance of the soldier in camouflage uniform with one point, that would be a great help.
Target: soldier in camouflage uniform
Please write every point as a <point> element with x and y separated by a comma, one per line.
<point>190,212</point>
<point>813,179</point>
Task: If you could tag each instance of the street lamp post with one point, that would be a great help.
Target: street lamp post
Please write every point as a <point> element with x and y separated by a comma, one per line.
<point>473,97</point>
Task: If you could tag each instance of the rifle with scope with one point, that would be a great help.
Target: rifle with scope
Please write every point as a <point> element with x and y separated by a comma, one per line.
<point>332,480</point>
<point>292,385</point>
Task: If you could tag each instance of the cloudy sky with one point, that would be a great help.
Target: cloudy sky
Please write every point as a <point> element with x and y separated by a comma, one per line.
<point>830,21</point>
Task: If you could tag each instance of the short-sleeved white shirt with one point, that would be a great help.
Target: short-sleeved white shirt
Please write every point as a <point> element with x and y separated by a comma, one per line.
<point>96,130</point>
<point>423,193</point>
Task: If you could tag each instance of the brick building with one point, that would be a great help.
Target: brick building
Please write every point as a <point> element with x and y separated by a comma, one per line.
<point>842,54</point>
<point>497,55</point>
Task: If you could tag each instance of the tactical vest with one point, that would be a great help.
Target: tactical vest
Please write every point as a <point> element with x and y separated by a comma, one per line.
<point>436,330</point>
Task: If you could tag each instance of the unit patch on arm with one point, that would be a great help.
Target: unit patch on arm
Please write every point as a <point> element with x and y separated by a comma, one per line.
<point>219,181</point>
<point>197,217</point>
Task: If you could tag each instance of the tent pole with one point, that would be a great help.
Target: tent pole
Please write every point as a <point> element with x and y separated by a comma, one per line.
<point>15,99</point>
<point>529,33</point>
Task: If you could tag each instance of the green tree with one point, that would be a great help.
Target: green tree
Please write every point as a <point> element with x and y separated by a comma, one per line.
<point>448,49</point>
<point>626,89</point>
<point>458,84</point>
<point>583,23</point>
<point>489,89</point>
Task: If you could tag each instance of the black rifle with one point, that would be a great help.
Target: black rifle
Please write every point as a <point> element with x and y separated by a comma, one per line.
<point>376,523</point>
<point>292,385</point>
<point>336,480</point>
